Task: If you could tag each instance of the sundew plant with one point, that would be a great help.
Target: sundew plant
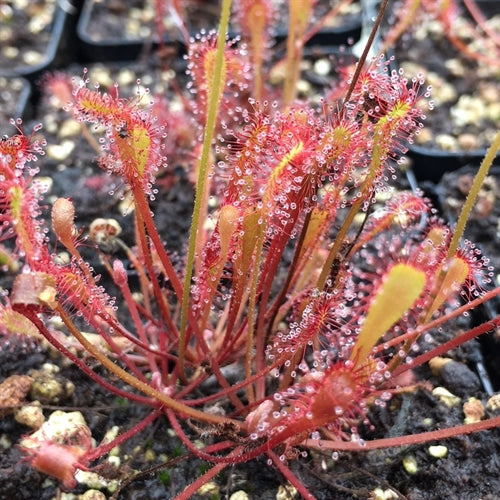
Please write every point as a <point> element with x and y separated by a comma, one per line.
<point>289,272</point>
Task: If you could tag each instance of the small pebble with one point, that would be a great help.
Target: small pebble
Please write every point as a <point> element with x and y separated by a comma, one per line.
<point>410,464</point>
<point>6,11</point>
<point>134,28</point>
<point>380,494</point>
<point>92,495</point>
<point>13,390</point>
<point>5,442</point>
<point>62,258</point>
<point>442,91</point>
<point>304,87</point>
<point>447,142</point>
<point>44,183</point>
<point>48,388</point>
<point>210,488</point>
<point>38,23</point>
<point>425,135</point>
<point>101,75</point>
<point>460,379</point>
<point>446,397</point>
<point>287,492</point>
<point>60,152</point>
<point>277,74</point>
<point>490,93</point>
<point>411,68</point>
<point>438,451</point>
<point>126,77</point>
<point>32,57</point>
<point>473,410</point>
<point>493,111</point>
<point>60,426</point>
<point>493,404</point>
<point>455,67</point>
<point>322,67</point>
<point>437,363</point>
<point>30,415</point>
<point>469,110</point>
<point>467,142</point>
<point>239,495</point>
<point>69,128</point>
<point>10,52</point>
<point>94,481</point>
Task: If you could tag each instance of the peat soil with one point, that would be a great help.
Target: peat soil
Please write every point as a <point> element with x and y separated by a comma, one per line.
<point>465,91</point>
<point>469,469</point>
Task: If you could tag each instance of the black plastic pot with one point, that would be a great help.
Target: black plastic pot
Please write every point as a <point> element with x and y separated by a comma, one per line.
<point>459,131</point>
<point>431,164</point>
<point>345,31</point>
<point>59,49</point>
<point>320,70</point>
<point>117,45</point>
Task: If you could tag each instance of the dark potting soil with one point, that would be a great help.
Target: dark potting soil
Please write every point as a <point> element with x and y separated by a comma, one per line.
<point>469,470</point>
<point>112,20</point>
<point>465,91</point>
<point>25,30</point>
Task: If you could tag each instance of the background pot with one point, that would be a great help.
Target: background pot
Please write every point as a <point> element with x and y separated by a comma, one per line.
<point>465,91</point>
<point>38,38</point>
<point>113,31</point>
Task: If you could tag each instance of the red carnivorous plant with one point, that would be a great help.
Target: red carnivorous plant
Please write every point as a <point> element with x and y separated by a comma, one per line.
<point>291,277</point>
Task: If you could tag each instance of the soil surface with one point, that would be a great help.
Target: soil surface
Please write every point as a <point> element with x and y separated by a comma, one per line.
<point>25,31</point>
<point>469,468</point>
<point>465,91</point>
<point>112,21</point>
